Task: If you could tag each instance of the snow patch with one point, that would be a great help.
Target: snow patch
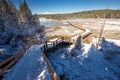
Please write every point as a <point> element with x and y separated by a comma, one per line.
<point>31,67</point>
<point>89,64</point>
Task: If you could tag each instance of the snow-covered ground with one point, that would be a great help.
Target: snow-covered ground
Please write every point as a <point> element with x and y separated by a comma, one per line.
<point>110,24</point>
<point>110,46</point>
<point>111,27</point>
<point>87,63</point>
<point>31,67</point>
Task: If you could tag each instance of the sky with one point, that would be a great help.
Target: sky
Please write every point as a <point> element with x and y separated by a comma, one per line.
<point>68,6</point>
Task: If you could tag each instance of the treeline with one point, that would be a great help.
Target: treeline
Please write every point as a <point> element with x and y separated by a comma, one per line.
<point>85,14</point>
<point>17,27</point>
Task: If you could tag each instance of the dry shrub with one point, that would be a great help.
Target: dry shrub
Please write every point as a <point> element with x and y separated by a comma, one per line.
<point>56,28</point>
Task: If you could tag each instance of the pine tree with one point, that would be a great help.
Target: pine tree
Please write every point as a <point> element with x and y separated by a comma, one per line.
<point>4,7</point>
<point>13,8</point>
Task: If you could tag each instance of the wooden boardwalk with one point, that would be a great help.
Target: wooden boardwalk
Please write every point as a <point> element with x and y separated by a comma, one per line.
<point>53,45</point>
<point>48,46</point>
<point>86,33</point>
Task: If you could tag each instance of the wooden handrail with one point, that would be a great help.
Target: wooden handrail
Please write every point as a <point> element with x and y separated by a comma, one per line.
<point>16,58</point>
<point>8,66</point>
<point>6,60</point>
<point>76,26</point>
<point>52,72</point>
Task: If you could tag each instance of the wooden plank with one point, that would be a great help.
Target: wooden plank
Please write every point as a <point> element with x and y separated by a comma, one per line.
<point>8,66</point>
<point>76,26</point>
<point>86,35</point>
<point>6,60</point>
<point>17,58</point>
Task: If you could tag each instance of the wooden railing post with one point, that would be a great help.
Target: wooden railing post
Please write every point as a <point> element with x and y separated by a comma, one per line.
<point>46,44</point>
<point>44,47</point>
<point>62,39</point>
<point>42,50</point>
<point>56,44</point>
<point>62,43</point>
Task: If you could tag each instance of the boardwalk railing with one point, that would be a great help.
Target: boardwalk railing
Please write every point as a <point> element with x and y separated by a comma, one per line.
<point>86,33</point>
<point>80,27</point>
<point>10,61</point>
<point>2,64</point>
<point>50,46</point>
<point>52,72</point>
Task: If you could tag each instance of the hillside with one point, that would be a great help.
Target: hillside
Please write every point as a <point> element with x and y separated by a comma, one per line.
<point>16,27</point>
<point>85,14</point>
